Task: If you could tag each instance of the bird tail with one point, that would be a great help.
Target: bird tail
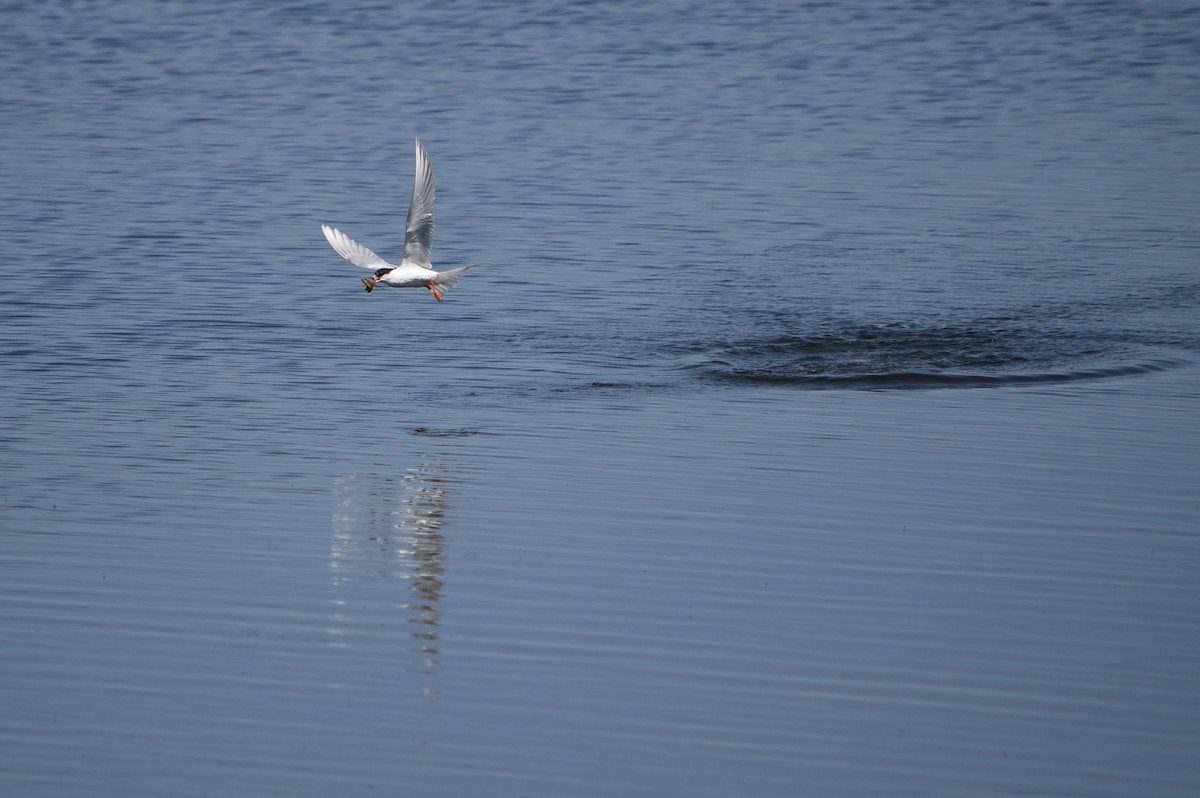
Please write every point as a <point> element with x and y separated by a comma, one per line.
<point>449,278</point>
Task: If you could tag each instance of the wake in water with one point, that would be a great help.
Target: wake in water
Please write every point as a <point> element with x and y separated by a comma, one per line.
<point>986,353</point>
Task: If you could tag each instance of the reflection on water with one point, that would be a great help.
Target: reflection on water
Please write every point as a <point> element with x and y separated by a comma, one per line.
<point>388,526</point>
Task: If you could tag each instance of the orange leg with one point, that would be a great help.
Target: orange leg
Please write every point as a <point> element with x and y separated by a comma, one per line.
<point>433,290</point>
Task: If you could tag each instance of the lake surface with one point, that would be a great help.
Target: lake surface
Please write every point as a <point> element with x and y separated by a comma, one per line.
<point>820,418</point>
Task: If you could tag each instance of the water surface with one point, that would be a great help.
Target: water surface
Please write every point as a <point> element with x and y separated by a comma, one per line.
<point>820,418</point>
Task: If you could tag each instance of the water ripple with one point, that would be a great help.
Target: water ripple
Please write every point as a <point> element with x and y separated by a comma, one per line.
<point>902,356</point>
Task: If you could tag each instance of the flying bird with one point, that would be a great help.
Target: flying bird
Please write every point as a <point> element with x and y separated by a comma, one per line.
<point>415,270</point>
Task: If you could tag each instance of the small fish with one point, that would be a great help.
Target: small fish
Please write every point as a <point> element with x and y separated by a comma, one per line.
<point>369,285</point>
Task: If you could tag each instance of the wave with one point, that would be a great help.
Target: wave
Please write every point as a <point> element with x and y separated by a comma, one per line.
<point>898,356</point>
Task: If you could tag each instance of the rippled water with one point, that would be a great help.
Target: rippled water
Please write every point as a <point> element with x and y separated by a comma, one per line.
<point>586,527</point>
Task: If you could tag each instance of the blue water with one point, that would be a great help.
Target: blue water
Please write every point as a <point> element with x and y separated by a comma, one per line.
<point>820,418</point>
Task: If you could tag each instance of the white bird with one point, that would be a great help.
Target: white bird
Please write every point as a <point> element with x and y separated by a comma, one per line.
<point>415,270</point>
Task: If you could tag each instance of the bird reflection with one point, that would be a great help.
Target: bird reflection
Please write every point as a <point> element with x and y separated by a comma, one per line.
<point>388,526</point>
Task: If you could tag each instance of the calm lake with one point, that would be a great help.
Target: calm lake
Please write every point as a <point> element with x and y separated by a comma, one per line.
<point>820,417</point>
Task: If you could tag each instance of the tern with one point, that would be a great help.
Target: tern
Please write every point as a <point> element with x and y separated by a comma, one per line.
<point>415,270</point>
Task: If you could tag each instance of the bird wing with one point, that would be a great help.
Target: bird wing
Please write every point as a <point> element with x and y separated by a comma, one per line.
<point>351,250</point>
<point>418,232</point>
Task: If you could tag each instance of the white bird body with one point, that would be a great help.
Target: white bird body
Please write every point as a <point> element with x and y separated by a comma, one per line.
<point>414,269</point>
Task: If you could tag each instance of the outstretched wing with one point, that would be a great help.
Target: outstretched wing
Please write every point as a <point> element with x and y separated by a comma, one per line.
<point>351,250</point>
<point>418,232</point>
